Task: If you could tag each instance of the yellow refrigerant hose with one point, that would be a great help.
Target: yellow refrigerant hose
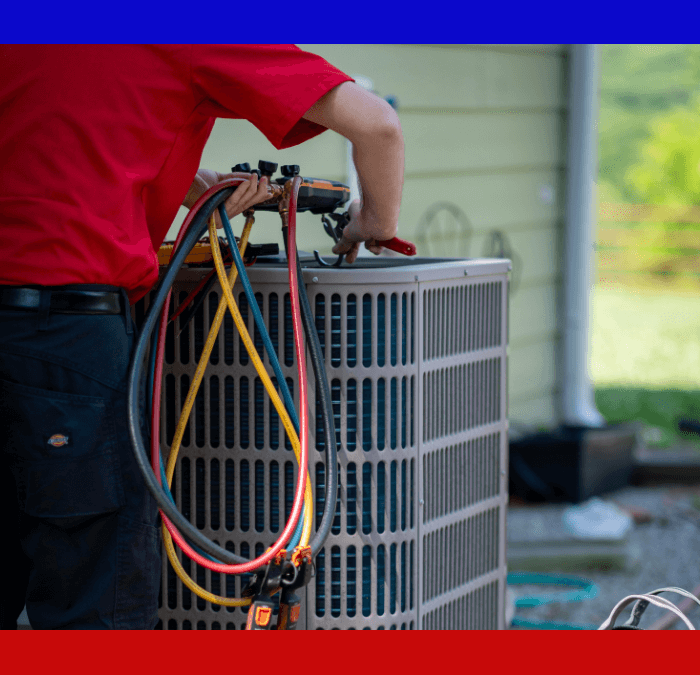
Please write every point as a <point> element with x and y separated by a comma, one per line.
<point>228,299</point>
<point>267,382</point>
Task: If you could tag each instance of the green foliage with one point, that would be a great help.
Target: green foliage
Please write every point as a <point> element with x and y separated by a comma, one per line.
<point>607,192</point>
<point>658,410</point>
<point>694,62</point>
<point>646,349</point>
<point>668,169</point>
<point>645,74</point>
<point>621,132</point>
<point>639,83</point>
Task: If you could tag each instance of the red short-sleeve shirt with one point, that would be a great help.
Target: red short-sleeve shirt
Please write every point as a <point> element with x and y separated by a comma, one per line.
<point>100,143</point>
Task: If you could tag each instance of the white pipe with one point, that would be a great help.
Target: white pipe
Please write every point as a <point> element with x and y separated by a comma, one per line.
<point>577,401</point>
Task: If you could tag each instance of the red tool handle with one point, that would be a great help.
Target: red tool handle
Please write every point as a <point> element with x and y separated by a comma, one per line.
<point>399,245</point>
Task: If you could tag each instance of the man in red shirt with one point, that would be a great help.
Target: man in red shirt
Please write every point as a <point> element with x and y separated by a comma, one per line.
<point>99,145</point>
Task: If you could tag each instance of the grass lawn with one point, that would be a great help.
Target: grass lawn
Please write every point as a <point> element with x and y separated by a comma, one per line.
<point>645,358</point>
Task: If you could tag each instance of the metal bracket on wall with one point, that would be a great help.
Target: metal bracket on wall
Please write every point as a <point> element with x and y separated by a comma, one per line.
<point>498,246</point>
<point>444,230</point>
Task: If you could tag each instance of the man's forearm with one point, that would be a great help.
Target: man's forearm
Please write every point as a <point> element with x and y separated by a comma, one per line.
<point>379,161</point>
<point>373,127</point>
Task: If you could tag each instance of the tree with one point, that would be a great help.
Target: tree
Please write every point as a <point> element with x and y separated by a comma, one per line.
<point>694,62</point>
<point>639,82</point>
<point>668,170</point>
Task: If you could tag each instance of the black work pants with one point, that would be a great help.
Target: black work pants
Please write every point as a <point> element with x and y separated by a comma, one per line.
<point>80,542</point>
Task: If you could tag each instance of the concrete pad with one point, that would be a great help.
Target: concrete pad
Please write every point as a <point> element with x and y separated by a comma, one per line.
<point>539,542</point>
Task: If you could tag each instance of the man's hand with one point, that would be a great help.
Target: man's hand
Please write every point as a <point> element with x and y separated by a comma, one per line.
<point>247,194</point>
<point>362,228</point>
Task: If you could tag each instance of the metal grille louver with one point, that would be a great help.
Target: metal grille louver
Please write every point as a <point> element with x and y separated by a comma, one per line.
<point>416,358</point>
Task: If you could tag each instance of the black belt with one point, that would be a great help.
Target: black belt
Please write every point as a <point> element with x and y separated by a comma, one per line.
<point>63,300</point>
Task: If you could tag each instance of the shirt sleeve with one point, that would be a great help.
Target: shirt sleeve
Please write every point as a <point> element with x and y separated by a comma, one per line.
<point>271,86</point>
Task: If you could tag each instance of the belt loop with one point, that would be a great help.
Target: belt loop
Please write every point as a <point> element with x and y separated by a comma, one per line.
<point>44,309</point>
<point>127,312</point>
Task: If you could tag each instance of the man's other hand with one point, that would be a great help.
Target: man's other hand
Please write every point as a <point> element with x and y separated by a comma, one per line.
<point>247,194</point>
<point>361,228</point>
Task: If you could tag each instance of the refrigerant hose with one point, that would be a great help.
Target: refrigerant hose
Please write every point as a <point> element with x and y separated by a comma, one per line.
<point>198,218</point>
<point>206,352</point>
<point>167,538</point>
<point>299,534</point>
<point>323,394</point>
<point>192,233</point>
<point>245,336</point>
<point>323,390</point>
<point>300,447</point>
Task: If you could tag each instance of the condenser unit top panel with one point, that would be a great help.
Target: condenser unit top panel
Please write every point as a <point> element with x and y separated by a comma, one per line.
<point>380,269</point>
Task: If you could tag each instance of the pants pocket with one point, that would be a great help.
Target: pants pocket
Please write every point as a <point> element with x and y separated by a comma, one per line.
<point>62,450</point>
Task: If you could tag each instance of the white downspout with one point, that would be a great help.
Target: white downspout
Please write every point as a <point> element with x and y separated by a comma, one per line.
<point>577,402</point>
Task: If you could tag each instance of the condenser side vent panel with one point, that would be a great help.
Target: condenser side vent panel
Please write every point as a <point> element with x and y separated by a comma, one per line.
<point>463,452</point>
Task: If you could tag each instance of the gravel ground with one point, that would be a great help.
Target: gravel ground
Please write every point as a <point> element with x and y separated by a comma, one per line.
<point>670,546</point>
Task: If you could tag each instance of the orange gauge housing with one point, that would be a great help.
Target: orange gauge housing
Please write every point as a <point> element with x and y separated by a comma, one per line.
<point>201,253</point>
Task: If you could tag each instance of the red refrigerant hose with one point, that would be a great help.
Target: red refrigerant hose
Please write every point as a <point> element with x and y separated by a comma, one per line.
<point>298,340</point>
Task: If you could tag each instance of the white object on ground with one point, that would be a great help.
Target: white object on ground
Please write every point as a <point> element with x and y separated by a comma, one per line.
<point>653,599</point>
<point>596,519</point>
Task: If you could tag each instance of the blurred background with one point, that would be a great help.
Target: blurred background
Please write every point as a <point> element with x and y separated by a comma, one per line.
<point>489,159</point>
<point>634,530</point>
<point>645,312</point>
<point>581,164</point>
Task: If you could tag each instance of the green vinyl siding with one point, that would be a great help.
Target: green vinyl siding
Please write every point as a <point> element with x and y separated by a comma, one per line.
<point>533,366</point>
<point>532,317</point>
